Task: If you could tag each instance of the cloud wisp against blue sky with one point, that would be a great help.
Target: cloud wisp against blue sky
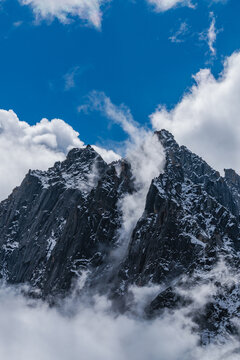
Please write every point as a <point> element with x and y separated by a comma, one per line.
<point>164,5</point>
<point>88,10</point>
<point>179,35</point>
<point>66,10</point>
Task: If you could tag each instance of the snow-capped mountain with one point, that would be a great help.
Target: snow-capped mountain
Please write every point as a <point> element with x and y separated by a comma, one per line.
<point>64,224</point>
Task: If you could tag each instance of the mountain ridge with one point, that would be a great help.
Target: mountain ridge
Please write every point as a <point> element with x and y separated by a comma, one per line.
<point>65,222</point>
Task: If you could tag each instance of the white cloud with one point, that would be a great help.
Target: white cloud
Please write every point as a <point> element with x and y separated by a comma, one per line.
<point>28,332</point>
<point>30,329</point>
<point>70,78</point>
<point>146,156</point>
<point>17,24</point>
<point>178,36</point>
<point>108,155</point>
<point>143,296</point>
<point>65,10</point>
<point>91,11</point>
<point>212,34</point>
<point>207,117</point>
<point>73,75</point>
<point>164,5</point>
<point>24,147</point>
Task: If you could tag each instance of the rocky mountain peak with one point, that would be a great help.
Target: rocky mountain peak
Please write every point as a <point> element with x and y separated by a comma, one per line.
<point>81,170</point>
<point>80,154</point>
<point>166,138</point>
<point>65,223</point>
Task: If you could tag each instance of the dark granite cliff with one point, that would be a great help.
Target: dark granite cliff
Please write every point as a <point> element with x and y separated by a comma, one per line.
<point>59,220</point>
<point>64,221</point>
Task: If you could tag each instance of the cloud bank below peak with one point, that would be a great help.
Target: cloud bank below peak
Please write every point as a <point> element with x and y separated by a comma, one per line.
<point>207,117</point>
<point>31,329</point>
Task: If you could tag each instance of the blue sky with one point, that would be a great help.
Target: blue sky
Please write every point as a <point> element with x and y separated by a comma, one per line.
<point>49,68</point>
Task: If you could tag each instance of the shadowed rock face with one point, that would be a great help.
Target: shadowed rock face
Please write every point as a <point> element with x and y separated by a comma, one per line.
<point>64,221</point>
<point>190,210</point>
<point>61,220</point>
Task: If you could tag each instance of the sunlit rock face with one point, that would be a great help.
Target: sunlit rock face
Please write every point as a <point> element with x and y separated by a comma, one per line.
<point>63,227</point>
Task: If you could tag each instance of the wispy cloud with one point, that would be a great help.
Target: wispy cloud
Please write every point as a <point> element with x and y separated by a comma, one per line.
<point>178,36</point>
<point>145,154</point>
<point>71,77</point>
<point>24,147</point>
<point>17,24</point>
<point>212,34</point>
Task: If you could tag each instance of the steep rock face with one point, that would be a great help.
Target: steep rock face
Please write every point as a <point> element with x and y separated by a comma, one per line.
<point>190,210</point>
<point>233,181</point>
<point>190,225</point>
<point>59,221</point>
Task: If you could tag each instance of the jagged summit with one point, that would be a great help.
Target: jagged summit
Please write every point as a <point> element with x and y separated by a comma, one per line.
<point>66,222</point>
<point>164,134</point>
<point>78,153</point>
<point>166,138</point>
<point>80,170</point>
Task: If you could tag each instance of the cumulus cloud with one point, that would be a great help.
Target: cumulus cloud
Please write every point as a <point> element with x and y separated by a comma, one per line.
<point>164,5</point>
<point>24,147</point>
<point>91,11</point>
<point>65,10</point>
<point>207,117</point>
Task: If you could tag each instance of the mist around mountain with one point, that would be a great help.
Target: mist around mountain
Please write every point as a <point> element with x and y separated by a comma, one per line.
<point>137,258</point>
